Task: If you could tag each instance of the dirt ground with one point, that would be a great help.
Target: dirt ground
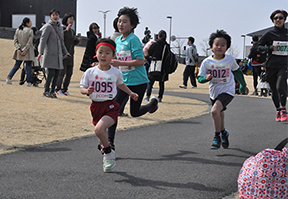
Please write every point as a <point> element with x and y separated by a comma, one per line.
<point>27,118</point>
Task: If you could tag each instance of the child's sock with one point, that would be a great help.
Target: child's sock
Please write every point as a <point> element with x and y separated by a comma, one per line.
<point>217,133</point>
<point>107,150</point>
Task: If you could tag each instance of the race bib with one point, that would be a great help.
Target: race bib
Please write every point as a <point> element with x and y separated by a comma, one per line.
<point>282,48</point>
<point>125,56</point>
<point>220,74</point>
<point>103,89</point>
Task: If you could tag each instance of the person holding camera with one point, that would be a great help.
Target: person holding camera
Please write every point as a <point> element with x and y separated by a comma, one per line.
<point>70,40</point>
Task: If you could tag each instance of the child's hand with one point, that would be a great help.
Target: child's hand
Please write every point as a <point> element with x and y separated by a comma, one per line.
<point>134,96</point>
<point>209,77</point>
<point>115,62</point>
<point>94,63</point>
<point>90,90</point>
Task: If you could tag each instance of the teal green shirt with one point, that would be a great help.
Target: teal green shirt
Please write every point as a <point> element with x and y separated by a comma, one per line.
<point>130,49</point>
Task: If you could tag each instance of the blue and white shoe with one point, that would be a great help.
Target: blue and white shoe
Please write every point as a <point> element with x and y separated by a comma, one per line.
<point>216,142</point>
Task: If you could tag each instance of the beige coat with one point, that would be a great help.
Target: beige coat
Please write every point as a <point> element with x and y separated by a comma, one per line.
<point>51,47</point>
<point>23,40</point>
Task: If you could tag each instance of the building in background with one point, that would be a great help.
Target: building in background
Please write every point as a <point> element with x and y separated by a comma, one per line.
<point>13,11</point>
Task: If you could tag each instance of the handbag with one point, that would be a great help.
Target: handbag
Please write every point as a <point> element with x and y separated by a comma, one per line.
<point>265,175</point>
<point>65,59</point>
<point>156,66</point>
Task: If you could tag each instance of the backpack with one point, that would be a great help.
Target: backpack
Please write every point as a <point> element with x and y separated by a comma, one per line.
<point>259,55</point>
<point>265,174</point>
<point>170,62</point>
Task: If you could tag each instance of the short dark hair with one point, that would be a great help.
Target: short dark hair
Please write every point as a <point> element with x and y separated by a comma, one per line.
<point>92,25</point>
<point>219,34</point>
<point>283,12</point>
<point>106,40</point>
<point>54,10</point>
<point>65,18</point>
<point>34,30</point>
<point>255,38</point>
<point>131,13</point>
<point>191,39</point>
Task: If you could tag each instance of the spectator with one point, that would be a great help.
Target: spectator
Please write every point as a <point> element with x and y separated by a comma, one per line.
<point>52,41</point>
<point>155,52</point>
<point>256,67</point>
<point>89,54</point>
<point>191,60</point>
<point>36,41</point>
<point>70,40</point>
<point>116,32</point>
<point>23,42</point>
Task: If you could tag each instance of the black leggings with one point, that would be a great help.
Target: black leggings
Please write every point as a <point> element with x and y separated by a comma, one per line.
<point>256,73</point>
<point>277,79</point>
<point>136,109</point>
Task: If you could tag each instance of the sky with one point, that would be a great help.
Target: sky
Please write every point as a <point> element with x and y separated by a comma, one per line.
<point>189,17</point>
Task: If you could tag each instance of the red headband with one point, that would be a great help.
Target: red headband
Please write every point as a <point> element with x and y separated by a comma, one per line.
<point>105,44</point>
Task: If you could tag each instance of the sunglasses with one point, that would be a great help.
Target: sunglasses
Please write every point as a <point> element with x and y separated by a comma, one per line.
<point>95,28</point>
<point>280,18</point>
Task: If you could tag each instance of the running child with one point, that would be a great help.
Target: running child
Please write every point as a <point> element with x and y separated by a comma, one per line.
<point>218,70</point>
<point>100,83</point>
<point>130,60</point>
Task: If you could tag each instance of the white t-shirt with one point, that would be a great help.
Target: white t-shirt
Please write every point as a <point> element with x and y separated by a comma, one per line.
<point>223,78</point>
<point>104,82</point>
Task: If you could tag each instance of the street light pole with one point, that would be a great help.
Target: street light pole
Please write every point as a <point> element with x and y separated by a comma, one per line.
<point>170,18</point>
<point>104,15</point>
<point>244,49</point>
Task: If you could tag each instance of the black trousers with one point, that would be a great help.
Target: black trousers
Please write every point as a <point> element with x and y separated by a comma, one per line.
<point>189,72</point>
<point>256,73</point>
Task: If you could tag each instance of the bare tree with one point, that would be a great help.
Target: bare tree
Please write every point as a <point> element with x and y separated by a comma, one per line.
<point>207,51</point>
<point>205,47</point>
<point>233,51</point>
<point>177,46</point>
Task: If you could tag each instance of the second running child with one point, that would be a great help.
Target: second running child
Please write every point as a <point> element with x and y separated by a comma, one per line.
<point>218,70</point>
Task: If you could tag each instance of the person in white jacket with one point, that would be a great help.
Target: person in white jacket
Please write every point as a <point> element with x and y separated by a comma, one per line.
<point>191,60</point>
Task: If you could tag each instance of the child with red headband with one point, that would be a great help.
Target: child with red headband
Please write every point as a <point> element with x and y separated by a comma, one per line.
<point>100,83</point>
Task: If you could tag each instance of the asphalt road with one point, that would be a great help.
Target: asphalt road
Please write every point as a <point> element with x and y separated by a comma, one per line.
<point>169,160</point>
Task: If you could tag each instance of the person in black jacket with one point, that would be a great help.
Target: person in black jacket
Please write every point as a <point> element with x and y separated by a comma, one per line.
<point>275,42</point>
<point>70,40</point>
<point>155,52</point>
<point>88,58</point>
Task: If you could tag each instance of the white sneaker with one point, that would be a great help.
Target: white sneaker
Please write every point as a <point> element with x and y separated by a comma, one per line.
<point>29,84</point>
<point>109,161</point>
<point>66,93</point>
<point>146,99</point>
<point>8,81</point>
<point>183,86</point>
<point>59,92</point>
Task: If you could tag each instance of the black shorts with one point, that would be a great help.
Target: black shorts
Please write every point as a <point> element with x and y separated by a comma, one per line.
<point>224,98</point>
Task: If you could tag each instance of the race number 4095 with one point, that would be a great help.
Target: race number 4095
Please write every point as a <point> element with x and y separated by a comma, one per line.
<point>101,86</point>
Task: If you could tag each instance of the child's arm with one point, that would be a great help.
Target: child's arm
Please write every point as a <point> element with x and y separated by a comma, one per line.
<point>240,78</point>
<point>124,88</point>
<point>135,62</point>
<point>86,91</point>
<point>204,79</point>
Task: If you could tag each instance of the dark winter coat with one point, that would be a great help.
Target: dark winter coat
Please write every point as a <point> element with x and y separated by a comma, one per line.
<point>155,51</point>
<point>89,52</point>
<point>266,42</point>
<point>70,40</point>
